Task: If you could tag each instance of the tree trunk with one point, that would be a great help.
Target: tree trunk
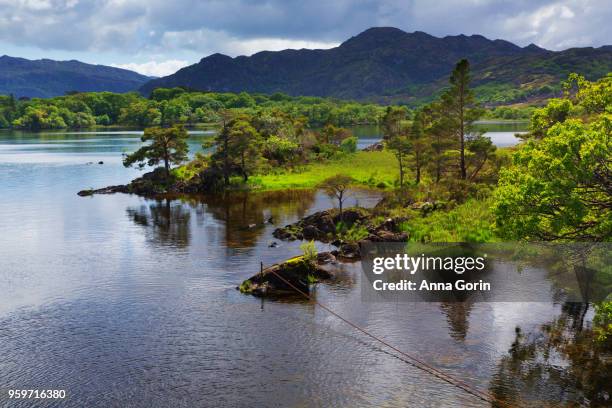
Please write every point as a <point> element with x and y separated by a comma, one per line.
<point>166,157</point>
<point>462,130</point>
<point>418,168</point>
<point>401,170</point>
<point>245,176</point>
<point>225,162</point>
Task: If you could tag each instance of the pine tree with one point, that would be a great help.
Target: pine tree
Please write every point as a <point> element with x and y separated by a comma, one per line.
<point>461,109</point>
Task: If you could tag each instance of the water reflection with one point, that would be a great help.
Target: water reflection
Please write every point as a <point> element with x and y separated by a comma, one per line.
<point>166,223</point>
<point>458,317</point>
<point>245,215</point>
<point>120,299</point>
<point>561,362</point>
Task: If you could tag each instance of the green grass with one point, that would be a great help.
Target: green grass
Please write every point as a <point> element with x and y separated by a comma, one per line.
<point>471,221</point>
<point>374,169</point>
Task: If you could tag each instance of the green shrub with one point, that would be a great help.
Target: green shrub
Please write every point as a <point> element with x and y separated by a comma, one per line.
<point>310,251</point>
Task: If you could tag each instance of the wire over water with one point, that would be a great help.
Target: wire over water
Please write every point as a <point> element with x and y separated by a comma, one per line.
<point>407,358</point>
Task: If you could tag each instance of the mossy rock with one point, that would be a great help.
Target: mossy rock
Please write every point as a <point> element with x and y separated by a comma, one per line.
<point>283,279</point>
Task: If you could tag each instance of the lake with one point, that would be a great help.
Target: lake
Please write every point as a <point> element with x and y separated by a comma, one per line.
<point>116,298</point>
<point>502,134</point>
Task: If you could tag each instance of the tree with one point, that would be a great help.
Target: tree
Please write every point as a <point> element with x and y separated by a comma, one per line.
<point>334,135</point>
<point>419,144</point>
<point>246,146</point>
<point>438,136</point>
<point>594,97</point>
<point>560,187</point>
<point>337,187</point>
<point>401,147</point>
<point>238,148</point>
<point>167,145</point>
<point>392,121</point>
<point>395,132</point>
<point>480,149</point>
<point>461,108</point>
<point>542,119</point>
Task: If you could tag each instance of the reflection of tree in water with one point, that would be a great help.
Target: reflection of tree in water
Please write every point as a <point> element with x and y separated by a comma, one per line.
<point>245,214</point>
<point>166,221</point>
<point>457,316</point>
<point>561,365</point>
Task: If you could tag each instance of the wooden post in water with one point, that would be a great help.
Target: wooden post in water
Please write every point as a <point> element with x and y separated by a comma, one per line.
<point>261,278</point>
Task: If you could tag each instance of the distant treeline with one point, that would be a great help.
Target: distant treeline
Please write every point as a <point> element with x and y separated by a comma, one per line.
<point>173,106</point>
<point>169,106</point>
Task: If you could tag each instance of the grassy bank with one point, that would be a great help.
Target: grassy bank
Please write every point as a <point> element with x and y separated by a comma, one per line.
<point>374,169</point>
<point>471,221</point>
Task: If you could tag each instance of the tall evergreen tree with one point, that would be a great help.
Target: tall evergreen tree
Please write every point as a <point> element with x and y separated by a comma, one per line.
<point>395,133</point>
<point>461,108</point>
<point>439,138</point>
<point>419,144</point>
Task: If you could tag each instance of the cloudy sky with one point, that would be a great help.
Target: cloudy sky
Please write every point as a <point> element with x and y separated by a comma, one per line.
<point>156,37</point>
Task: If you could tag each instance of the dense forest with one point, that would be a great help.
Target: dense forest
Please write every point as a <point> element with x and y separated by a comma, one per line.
<point>166,107</point>
<point>171,106</point>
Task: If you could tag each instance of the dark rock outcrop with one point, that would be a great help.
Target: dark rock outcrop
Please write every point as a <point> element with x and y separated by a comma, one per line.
<point>283,279</point>
<point>375,147</point>
<point>321,226</point>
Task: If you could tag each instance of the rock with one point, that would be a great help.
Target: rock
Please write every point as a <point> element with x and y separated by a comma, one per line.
<point>105,190</point>
<point>283,279</point>
<point>311,232</point>
<point>321,225</point>
<point>350,251</point>
<point>388,236</point>
<point>100,162</point>
<point>389,224</point>
<point>351,216</point>
<point>324,258</point>
<point>251,226</point>
<point>375,147</point>
<point>270,220</point>
<point>273,244</point>
<point>428,206</point>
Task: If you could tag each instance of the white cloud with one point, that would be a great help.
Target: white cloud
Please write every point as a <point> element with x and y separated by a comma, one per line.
<point>563,24</point>
<point>207,42</point>
<point>154,68</point>
<point>162,30</point>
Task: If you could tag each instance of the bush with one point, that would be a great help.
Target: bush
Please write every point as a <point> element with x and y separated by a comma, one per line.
<point>349,145</point>
<point>310,251</point>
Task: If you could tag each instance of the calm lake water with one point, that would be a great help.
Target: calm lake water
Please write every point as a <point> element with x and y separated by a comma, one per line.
<point>502,134</point>
<point>124,301</point>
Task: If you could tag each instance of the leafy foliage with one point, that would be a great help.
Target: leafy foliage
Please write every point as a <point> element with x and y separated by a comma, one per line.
<point>309,251</point>
<point>560,186</point>
<point>167,145</point>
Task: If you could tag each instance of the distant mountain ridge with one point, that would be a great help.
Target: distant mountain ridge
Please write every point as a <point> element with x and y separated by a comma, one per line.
<point>47,78</point>
<point>387,64</point>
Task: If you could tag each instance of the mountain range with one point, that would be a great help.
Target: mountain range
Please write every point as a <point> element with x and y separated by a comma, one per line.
<point>46,78</point>
<point>386,64</point>
<point>382,64</point>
